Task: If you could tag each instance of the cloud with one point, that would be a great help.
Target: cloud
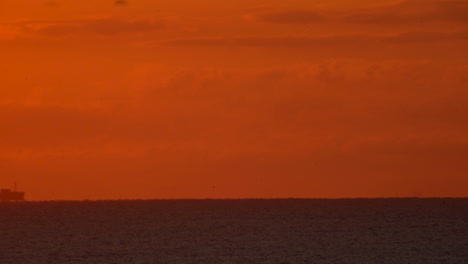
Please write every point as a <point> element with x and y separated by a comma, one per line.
<point>334,40</point>
<point>400,12</point>
<point>121,2</point>
<point>242,110</point>
<point>382,122</point>
<point>428,37</point>
<point>116,26</point>
<point>48,126</point>
<point>288,17</point>
<point>101,26</point>
<point>51,4</point>
<point>413,12</point>
<point>83,110</point>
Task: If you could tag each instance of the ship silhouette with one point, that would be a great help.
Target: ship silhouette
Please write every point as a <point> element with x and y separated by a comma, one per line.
<point>7,195</point>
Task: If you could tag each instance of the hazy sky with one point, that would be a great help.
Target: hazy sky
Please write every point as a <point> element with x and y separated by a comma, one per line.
<point>103,99</point>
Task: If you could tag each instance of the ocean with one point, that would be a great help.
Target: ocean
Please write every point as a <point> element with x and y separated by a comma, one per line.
<point>236,231</point>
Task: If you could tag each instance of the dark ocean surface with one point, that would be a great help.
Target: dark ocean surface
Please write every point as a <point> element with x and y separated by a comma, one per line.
<point>236,231</point>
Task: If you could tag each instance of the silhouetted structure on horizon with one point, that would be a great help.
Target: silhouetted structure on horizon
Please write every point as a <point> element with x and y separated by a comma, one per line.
<point>7,195</point>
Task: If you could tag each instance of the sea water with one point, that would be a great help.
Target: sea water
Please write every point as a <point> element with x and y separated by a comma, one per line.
<point>236,231</point>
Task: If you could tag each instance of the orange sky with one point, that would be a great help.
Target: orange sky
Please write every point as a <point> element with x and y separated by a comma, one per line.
<point>232,99</point>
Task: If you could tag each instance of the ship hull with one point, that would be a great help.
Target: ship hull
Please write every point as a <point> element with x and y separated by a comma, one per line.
<point>11,196</point>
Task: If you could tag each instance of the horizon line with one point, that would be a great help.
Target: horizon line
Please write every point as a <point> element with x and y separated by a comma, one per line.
<point>243,199</point>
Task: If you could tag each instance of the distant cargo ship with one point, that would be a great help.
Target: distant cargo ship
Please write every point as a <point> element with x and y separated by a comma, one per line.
<point>7,195</point>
